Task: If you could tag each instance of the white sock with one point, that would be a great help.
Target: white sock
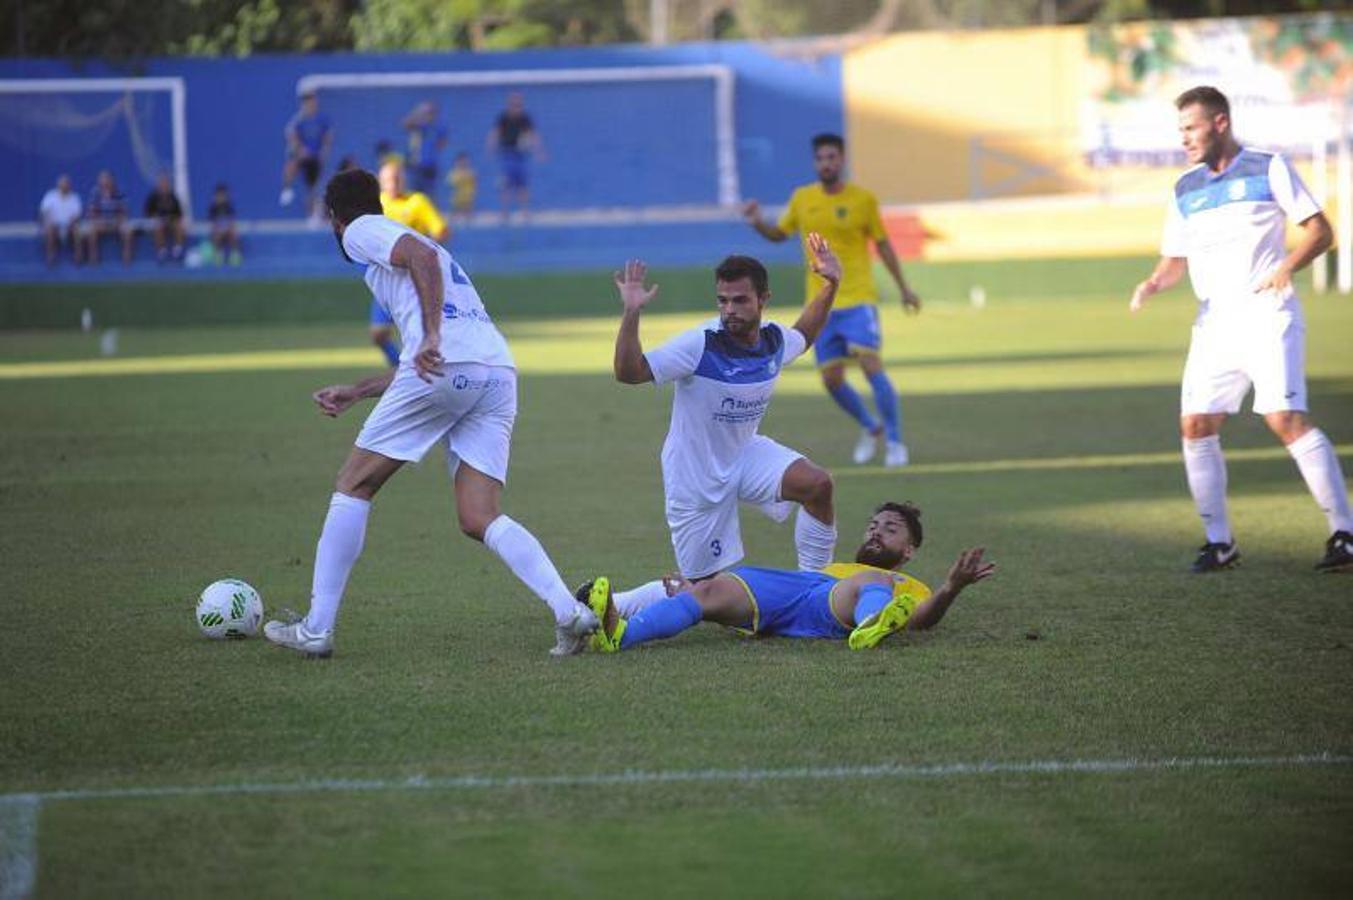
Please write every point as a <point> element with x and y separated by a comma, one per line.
<point>522,553</point>
<point>340,543</point>
<point>627,603</point>
<point>1320,467</point>
<point>1206,468</point>
<point>815,541</point>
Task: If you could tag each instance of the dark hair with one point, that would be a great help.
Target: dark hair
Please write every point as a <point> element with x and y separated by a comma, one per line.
<point>353,193</point>
<point>735,267</point>
<point>1209,98</point>
<point>827,139</point>
<point>221,186</point>
<point>910,513</point>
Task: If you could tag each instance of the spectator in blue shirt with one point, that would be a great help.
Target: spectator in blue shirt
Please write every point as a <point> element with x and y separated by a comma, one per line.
<point>106,213</point>
<point>309,136</point>
<point>427,139</point>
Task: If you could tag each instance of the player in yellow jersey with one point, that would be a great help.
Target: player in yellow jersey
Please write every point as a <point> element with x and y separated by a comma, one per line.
<point>847,215</point>
<point>862,602</point>
<point>415,210</point>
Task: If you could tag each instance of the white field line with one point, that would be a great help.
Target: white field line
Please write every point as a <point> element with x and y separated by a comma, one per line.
<point>19,812</point>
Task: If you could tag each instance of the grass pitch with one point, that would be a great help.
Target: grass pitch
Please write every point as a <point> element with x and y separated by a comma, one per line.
<point>1041,428</point>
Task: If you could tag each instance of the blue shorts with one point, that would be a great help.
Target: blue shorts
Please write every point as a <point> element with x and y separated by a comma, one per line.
<point>847,332</point>
<point>513,165</point>
<point>790,604</point>
<point>379,317</point>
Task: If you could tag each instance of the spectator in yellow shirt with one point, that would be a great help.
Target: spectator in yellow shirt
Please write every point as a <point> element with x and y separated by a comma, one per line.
<point>464,183</point>
<point>415,210</point>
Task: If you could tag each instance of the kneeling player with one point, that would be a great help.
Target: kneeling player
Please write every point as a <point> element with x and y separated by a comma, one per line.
<point>863,602</point>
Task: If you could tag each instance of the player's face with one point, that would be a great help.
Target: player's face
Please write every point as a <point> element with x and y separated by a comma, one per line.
<point>740,308</point>
<point>1202,134</point>
<point>887,542</point>
<point>828,160</point>
<point>390,180</point>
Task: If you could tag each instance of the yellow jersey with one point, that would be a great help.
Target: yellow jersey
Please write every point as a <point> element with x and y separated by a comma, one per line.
<point>464,185</point>
<point>416,211</point>
<point>903,584</point>
<point>849,220</point>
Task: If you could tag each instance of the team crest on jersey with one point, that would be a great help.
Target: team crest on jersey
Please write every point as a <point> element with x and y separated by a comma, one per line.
<point>772,367</point>
<point>841,212</point>
<point>1236,190</point>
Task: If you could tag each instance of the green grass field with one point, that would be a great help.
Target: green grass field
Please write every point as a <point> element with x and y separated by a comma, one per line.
<point>1042,427</point>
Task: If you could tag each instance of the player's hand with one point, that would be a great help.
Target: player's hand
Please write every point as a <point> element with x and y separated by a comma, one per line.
<point>335,398</point>
<point>824,262</point>
<point>1279,281</point>
<point>911,301</point>
<point>751,211</point>
<point>428,360</point>
<point>969,568</point>
<point>630,283</point>
<point>1142,291</point>
<point>673,583</point>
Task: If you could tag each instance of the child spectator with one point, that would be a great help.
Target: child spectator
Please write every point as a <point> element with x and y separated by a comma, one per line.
<point>225,237</point>
<point>59,214</point>
<point>106,213</point>
<point>464,183</point>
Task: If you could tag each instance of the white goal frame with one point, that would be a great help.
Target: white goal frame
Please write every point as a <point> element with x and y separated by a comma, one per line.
<point>178,104</point>
<point>726,159</point>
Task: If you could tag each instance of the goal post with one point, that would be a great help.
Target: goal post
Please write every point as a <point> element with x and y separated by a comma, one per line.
<point>62,120</point>
<point>715,117</point>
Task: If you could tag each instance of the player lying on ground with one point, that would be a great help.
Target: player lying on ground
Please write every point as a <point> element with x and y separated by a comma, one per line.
<point>455,387</point>
<point>863,602</point>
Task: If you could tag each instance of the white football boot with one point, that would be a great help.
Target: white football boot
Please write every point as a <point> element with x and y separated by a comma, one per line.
<point>865,447</point>
<point>312,644</point>
<point>896,456</point>
<point>570,638</point>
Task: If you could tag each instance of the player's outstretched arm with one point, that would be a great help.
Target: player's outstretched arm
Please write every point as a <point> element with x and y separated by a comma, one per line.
<point>631,367</point>
<point>1166,275</point>
<point>336,398</point>
<point>968,569</point>
<point>751,211</point>
<point>828,268</point>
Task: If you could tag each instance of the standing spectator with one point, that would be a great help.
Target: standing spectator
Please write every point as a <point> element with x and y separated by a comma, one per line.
<point>106,213</point>
<point>309,136</point>
<point>515,140</point>
<point>464,183</point>
<point>165,215</point>
<point>427,139</point>
<point>225,237</point>
<point>59,214</point>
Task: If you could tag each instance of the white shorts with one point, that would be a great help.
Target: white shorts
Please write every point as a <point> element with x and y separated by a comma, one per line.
<point>1227,355</point>
<point>706,536</point>
<point>470,410</point>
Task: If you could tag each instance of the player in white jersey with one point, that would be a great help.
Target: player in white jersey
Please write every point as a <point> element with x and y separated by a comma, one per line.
<point>1225,226</point>
<point>455,386</point>
<point>713,456</point>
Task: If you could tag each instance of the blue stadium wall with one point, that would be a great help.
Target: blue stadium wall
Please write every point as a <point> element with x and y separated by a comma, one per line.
<point>236,110</point>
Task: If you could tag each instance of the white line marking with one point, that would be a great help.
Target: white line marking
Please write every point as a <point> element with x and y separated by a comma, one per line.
<point>18,845</point>
<point>897,771</point>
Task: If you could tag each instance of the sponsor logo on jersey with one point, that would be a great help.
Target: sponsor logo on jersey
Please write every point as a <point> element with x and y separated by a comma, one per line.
<point>736,411</point>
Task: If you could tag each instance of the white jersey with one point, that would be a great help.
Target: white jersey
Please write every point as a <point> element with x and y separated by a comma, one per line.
<point>1231,225</point>
<point>468,334</point>
<point>60,209</point>
<point>723,388</point>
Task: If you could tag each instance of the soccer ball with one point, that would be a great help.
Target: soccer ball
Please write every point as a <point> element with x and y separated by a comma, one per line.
<point>229,608</point>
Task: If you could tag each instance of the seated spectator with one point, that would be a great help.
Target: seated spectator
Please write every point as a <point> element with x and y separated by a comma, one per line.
<point>224,236</point>
<point>59,214</point>
<point>106,213</point>
<point>166,218</point>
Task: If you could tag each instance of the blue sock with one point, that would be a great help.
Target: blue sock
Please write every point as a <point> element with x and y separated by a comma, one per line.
<point>847,399</point>
<point>664,619</point>
<point>885,398</point>
<point>873,597</point>
<point>391,351</point>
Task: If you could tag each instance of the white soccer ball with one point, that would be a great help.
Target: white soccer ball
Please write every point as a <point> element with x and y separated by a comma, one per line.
<point>229,608</point>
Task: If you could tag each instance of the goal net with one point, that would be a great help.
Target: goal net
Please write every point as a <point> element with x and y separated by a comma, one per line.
<point>633,137</point>
<point>133,127</point>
